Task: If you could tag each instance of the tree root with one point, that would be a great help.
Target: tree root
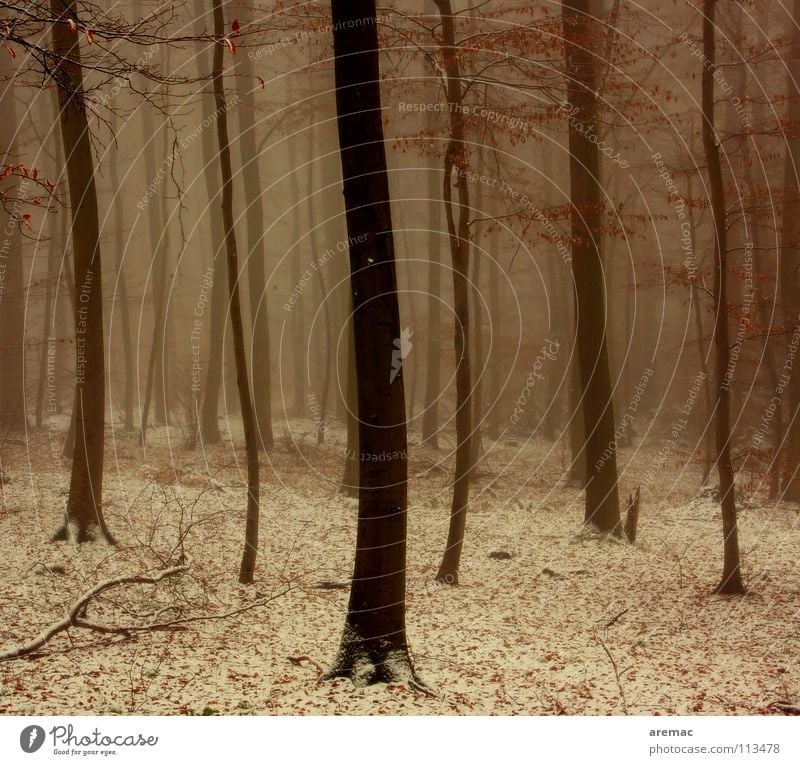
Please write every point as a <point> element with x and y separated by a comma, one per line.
<point>368,662</point>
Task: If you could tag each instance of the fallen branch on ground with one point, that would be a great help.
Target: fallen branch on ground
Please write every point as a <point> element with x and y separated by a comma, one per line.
<point>77,612</point>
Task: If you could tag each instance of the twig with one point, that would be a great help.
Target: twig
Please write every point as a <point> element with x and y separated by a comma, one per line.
<point>616,674</point>
<point>614,620</point>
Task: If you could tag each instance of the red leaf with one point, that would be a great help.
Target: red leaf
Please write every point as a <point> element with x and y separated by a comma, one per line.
<point>231,45</point>
<point>235,27</point>
<point>73,25</point>
<point>261,83</point>
<point>26,220</point>
<point>11,51</point>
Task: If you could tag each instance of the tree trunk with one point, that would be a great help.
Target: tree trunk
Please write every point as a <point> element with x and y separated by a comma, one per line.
<point>155,381</point>
<point>478,361</point>
<point>242,379</point>
<point>374,646</point>
<point>731,583</point>
<point>12,302</point>
<point>602,496</point>
<point>349,485</point>
<point>256,270</point>
<point>789,262</point>
<point>121,290</point>
<point>209,412</point>
<point>455,157</point>
<point>298,324</point>
<point>84,516</point>
<point>433,373</point>
<point>495,374</point>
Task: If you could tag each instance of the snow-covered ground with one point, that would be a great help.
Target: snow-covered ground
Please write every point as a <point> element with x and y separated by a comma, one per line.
<point>569,624</point>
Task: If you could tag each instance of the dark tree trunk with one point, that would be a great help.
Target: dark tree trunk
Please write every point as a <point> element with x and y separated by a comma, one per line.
<point>495,373</point>
<point>121,290</point>
<point>789,262</point>
<point>325,354</point>
<point>731,583</point>
<point>155,381</point>
<point>256,270</point>
<point>374,646</point>
<point>209,409</point>
<point>478,361</point>
<point>433,376</point>
<point>12,302</point>
<point>602,496</point>
<point>350,480</point>
<point>84,517</point>
<point>695,294</point>
<point>247,568</point>
<point>298,324</point>
<point>455,157</point>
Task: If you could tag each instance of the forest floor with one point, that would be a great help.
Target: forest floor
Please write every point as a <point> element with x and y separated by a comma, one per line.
<point>570,624</point>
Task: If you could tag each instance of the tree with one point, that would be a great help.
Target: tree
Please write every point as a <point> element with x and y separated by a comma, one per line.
<point>209,407</point>
<point>602,496</point>
<point>256,273</point>
<point>84,515</point>
<point>789,261</point>
<point>374,647</point>
<point>433,374</point>
<point>12,312</point>
<point>156,378</point>
<point>155,381</point>
<point>242,378</point>
<point>121,291</point>
<point>454,160</point>
<point>731,583</point>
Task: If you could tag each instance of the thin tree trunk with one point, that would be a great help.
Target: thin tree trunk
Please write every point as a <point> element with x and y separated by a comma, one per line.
<point>256,270</point>
<point>731,583</point>
<point>374,647</point>
<point>495,375</point>
<point>122,284</point>
<point>455,157</point>
<point>478,360</point>
<point>298,325</point>
<point>602,495</point>
<point>247,568</point>
<point>433,381</point>
<point>12,302</point>
<point>209,410</point>
<point>84,515</point>
<point>157,225</point>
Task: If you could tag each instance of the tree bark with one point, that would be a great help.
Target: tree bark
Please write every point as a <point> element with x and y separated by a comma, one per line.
<point>84,516</point>
<point>209,409</point>
<point>789,262</point>
<point>602,496</point>
<point>155,381</point>
<point>298,324</point>
<point>247,567</point>
<point>731,583</point>
<point>122,285</point>
<point>12,302</point>
<point>256,271</point>
<point>433,371</point>
<point>374,647</point>
<point>455,157</point>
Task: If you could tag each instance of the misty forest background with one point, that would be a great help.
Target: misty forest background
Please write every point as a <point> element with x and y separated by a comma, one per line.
<point>425,358</point>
